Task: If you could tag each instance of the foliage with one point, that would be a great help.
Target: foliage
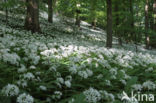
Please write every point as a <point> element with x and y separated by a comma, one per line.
<point>47,69</point>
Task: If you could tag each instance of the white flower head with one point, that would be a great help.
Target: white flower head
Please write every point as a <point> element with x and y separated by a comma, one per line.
<point>92,95</point>
<point>60,80</point>
<point>10,90</point>
<point>83,74</point>
<point>43,88</point>
<point>149,85</point>
<point>137,87</point>
<point>29,76</point>
<point>67,83</point>
<point>25,98</point>
<point>57,95</point>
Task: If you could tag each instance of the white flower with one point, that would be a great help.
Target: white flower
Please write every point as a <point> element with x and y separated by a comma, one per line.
<point>89,72</point>
<point>92,95</point>
<point>113,71</point>
<point>67,83</point>
<point>60,80</point>
<point>69,78</point>
<point>99,76</point>
<point>43,88</point>
<point>137,87</point>
<point>25,98</point>
<point>10,90</point>
<point>149,85</point>
<point>123,82</point>
<point>22,83</point>
<point>11,58</point>
<point>29,76</point>
<point>73,69</point>
<point>83,74</point>
<point>149,69</point>
<point>108,82</point>
<point>22,69</point>
<point>32,67</point>
<point>57,95</point>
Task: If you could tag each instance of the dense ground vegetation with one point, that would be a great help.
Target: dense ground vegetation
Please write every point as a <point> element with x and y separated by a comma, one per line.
<point>68,63</point>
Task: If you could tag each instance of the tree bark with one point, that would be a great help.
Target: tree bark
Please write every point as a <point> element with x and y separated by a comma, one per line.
<point>151,19</point>
<point>6,12</point>
<point>154,11</point>
<point>147,24</point>
<point>109,24</point>
<point>94,24</point>
<point>116,9</point>
<point>32,17</point>
<point>50,11</point>
<point>78,21</point>
<point>132,19</point>
<point>93,6</point>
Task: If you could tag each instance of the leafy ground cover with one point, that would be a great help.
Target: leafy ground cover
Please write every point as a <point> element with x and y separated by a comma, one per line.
<point>64,65</point>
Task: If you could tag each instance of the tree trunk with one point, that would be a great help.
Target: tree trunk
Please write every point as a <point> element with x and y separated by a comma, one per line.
<point>78,21</point>
<point>93,6</point>
<point>50,11</point>
<point>132,19</point>
<point>94,24</point>
<point>147,23</point>
<point>116,9</point>
<point>6,13</point>
<point>32,17</point>
<point>109,24</point>
<point>151,19</point>
<point>154,11</point>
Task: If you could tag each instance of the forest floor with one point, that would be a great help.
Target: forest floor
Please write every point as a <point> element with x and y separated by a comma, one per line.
<point>65,65</point>
<point>98,34</point>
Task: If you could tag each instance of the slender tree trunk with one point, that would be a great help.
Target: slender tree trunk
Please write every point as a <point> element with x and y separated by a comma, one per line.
<point>132,19</point>
<point>116,9</point>
<point>109,24</point>
<point>132,13</point>
<point>32,17</point>
<point>147,23</point>
<point>50,11</point>
<point>93,13</point>
<point>78,21</point>
<point>154,11</point>
<point>94,24</point>
<point>6,13</point>
<point>151,19</point>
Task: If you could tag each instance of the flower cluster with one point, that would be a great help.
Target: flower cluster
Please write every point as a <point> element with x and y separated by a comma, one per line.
<point>10,90</point>
<point>25,98</point>
<point>92,95</point>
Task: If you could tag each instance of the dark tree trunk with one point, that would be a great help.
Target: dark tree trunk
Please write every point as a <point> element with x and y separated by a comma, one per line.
<point>151,19</point>
<point>109,24</point>
<point>154,11</point>
<point>116,9</point>
<point>6,13</point>
<point>94,24</point>
<point>147,24</point>
<point>132,13</point>
<point>78,21</point>
<point>132,19</point>
<point>32,17</point>
<point>50,11</point>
